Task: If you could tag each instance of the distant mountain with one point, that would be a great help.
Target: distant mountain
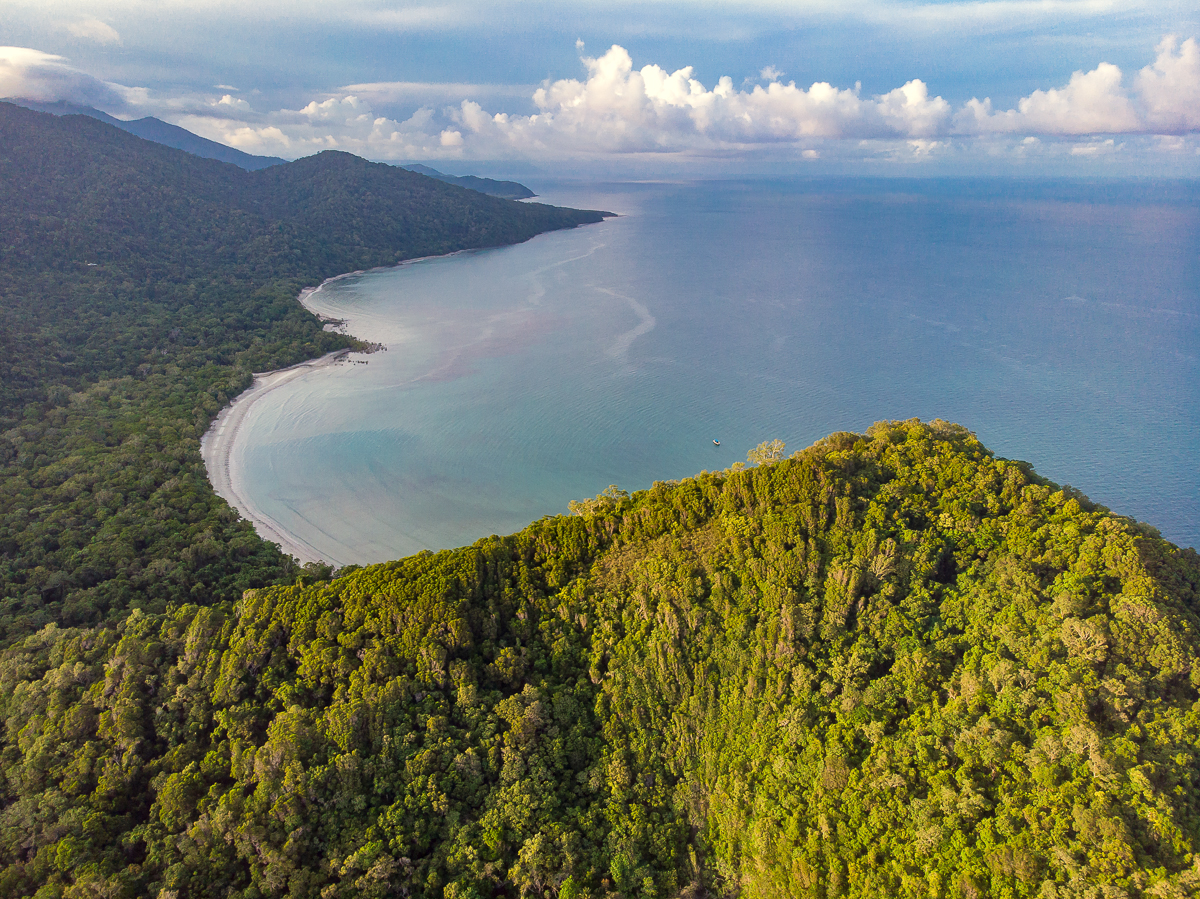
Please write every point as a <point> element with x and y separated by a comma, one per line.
<point>150,128</point>
<point>509,190</point>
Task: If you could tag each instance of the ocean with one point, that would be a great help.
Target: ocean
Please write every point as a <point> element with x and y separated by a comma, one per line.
<point>1060,322</point>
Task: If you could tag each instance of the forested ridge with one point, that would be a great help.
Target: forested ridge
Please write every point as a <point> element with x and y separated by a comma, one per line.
<point>890,665</point>
<point>140,287</point>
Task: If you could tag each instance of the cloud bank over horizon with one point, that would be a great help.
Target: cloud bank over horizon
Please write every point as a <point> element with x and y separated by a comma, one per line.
<point>620,113</point>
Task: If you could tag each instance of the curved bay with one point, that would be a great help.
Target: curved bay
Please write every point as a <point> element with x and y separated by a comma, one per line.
<point>1062,329</point>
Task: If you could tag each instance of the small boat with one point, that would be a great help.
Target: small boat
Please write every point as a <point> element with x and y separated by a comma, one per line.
<point>716,442</point>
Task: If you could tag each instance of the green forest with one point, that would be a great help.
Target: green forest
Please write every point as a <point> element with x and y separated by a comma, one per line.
<point>140,288</point>
<point>888,665</point>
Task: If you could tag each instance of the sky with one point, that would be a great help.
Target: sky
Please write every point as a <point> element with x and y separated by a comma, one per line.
<point>654,88</point>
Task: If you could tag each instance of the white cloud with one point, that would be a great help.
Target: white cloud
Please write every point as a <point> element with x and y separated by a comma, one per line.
<point>694,17</point>
<point>1096,148</point>
<point>922,147</point>
<point>616,109</point>
<point>650,110</point>
<point>411,17</point>
<point>1092,103</point>
<point>33,75</point>
<point>910,111</point>
<point>230,102</point>
<point>92,29</point>
<point>1170,87</point>
<point>335,109</point>
<point>339,123</point>
<point>1173,143</point>
<point>620,109</point>
<point>258,140</point>
<point>1165,100</point>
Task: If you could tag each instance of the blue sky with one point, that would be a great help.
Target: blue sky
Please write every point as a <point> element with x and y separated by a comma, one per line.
<point>1027,86</point>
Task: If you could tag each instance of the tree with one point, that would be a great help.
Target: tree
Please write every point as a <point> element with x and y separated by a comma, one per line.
<point>766,452</point>
<point>605,499</point>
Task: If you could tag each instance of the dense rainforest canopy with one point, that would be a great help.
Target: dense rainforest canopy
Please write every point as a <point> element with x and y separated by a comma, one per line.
<point>139,288</point>
<point>890,665</point>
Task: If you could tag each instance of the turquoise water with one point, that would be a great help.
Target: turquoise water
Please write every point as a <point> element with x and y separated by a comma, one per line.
<point>1060,323</point>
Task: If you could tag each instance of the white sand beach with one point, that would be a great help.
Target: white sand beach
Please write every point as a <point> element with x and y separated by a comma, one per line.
<point>216,448</point>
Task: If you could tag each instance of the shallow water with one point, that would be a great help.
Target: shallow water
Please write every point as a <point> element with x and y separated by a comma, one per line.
<point>1060,323</point>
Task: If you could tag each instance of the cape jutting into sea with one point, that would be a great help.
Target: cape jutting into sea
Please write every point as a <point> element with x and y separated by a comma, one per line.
<point>1059,322</point>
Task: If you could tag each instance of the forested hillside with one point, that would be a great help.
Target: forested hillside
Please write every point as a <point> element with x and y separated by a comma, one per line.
<point>891,665</point>
<point>139,288</point>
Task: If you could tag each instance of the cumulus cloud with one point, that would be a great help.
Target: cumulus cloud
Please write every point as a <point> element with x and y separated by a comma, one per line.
<point>335,123</point>
<point>1096,148</point>
<point>621,109</point>
<point>617,109</point>
<point>336,109</point>
<point>1091,103</point>
<point>909,110</point>
<point>230,102</point>
<point>1164,100</point>
<point>27,74</point>
<point>1170,88</point>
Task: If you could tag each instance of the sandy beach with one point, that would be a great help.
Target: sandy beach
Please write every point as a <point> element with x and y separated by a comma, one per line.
<point>216,449</point>
<point>216,446</point>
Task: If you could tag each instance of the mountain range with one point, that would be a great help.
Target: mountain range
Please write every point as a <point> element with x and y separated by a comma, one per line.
<point>160,132</point>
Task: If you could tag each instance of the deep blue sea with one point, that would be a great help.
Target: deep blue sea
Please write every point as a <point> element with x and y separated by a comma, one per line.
<point>1059,322</point>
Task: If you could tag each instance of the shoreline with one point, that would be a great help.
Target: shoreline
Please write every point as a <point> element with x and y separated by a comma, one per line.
<point>216,446</point>
<point>216,450</point>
